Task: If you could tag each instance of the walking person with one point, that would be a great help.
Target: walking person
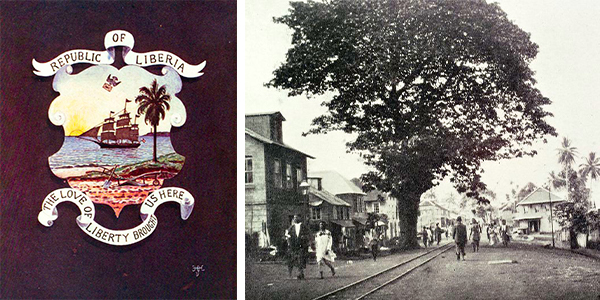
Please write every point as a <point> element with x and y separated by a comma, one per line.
<point>430,233</point>
<point>425,237</point>
<point>374,245</point>
<point>475,235</point>
<point>297,236</point>
<point>323,252</point>
<point>438,233</point>
<point>504,233</point>
<point>460,237</point>
<point>487,230</point>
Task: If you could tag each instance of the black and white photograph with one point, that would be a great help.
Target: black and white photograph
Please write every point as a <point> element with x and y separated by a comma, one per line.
<point>421,149</point>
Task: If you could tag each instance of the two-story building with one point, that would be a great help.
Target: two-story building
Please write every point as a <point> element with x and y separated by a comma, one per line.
<point>431,213</point>
<point>533,213</point>
<point>381,203</point>
<point>273,173</point>
<point>335,212</point>
<point>346,190</point>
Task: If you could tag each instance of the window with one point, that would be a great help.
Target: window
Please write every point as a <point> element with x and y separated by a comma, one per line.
<point>249,175</point>
<point>277,173</point>
<point>315,213</point>
<point>376,207</point>
<point>288,176</point>
<point>298,176</point>
<point>347,213</point>
<point>335,213</point>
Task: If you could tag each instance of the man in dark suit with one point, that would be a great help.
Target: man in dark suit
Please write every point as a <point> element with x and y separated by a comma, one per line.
<point>297,236</point>
<point>460,237</point>
<point>438,233</point>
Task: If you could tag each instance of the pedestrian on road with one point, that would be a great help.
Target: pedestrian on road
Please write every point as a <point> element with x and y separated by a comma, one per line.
<point>425,237</point>
<point>374,245</point>
<point>487,230</point>
<point>504,233</point>
<point>323,252</point>
<point>297,236</point>
<point>430,234</point>
<point>460,237</point>
<point>438,233</point>
<point>475,234</point>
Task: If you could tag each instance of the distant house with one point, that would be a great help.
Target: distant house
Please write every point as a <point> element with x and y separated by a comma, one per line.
<point>335,212</point>
<point>343,188</point>
<point>533,212</point>
<point>273,172</point>
<point>506,212</point>
<point>383,203</point>
<point>431,213</point>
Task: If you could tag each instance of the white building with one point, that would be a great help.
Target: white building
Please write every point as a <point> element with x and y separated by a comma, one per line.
<point>533,212</point>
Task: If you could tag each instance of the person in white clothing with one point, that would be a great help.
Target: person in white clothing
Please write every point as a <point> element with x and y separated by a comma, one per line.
<point>324,254</point>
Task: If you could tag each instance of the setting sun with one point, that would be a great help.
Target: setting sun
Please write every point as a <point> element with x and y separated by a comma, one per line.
<point>75,125</point>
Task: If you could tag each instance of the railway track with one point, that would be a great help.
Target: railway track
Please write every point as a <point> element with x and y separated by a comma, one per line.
<point>364,287</point>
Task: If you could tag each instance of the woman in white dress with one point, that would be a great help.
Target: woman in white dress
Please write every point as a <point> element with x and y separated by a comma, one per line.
<point>494,235</point>
<point>324,254</point>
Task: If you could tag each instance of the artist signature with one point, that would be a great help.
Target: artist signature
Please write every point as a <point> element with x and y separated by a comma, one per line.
<point>197,269</point>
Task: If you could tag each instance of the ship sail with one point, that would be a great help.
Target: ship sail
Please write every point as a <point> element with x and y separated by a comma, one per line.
<point>124,135</point>
<point>93,132</point>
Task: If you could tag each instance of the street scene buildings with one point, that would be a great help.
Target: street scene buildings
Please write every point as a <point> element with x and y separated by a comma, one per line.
<point>382,134</point>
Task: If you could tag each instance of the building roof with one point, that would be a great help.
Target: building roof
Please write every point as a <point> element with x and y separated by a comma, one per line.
<point>326,196</point>
<point>505,206</point>
<point>375,195</point>
<point>335,183</point>
<point>267,114</point>
<point>269,141</point>
<point>540,195</point>
<point>434,204</point>
<point>343,223</point>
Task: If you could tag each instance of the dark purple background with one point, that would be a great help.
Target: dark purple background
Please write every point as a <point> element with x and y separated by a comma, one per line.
<point>62,261</point>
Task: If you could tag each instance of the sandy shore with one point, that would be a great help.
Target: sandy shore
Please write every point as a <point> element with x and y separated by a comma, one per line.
<point>74,171</point>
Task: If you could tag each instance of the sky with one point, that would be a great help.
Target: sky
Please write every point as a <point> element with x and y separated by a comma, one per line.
<point>85,103</point>
<point>567,71</point>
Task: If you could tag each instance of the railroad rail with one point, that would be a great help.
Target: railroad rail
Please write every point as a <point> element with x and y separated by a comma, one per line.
<point>370,284</point>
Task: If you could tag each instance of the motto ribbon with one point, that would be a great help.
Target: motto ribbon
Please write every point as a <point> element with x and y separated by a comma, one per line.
<point>113,39</point>
<point>86,222</point>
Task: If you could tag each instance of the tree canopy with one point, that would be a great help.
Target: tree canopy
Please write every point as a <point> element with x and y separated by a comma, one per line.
<point>431,88</point>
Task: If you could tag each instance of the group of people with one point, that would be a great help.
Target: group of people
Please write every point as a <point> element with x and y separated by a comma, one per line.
<point>459,234</point>
<point>431,235</point>
<point>496,232</point>
<point>298,239</point>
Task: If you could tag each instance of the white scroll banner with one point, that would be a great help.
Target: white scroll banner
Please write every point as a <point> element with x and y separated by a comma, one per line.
<point>86,222</point>
<point>113,39</point>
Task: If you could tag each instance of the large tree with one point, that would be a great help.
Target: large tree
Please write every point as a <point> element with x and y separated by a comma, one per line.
<point>431,88</point>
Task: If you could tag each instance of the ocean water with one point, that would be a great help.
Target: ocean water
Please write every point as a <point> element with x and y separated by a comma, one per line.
<point>76,152</point>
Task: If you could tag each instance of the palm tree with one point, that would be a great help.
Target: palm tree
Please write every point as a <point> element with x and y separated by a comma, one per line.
<point>566,157</point>
<point>591,167</point>
<point>154,102</point>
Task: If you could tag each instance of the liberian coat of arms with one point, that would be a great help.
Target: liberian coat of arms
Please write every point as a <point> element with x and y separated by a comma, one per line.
<point>117,149</point>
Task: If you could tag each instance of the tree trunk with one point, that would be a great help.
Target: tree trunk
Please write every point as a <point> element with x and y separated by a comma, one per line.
<point>154,146</point>
<point>573,239</point>
<point>408,208</point>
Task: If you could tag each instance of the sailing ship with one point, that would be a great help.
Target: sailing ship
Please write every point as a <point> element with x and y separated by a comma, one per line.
<point>125,135</point>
